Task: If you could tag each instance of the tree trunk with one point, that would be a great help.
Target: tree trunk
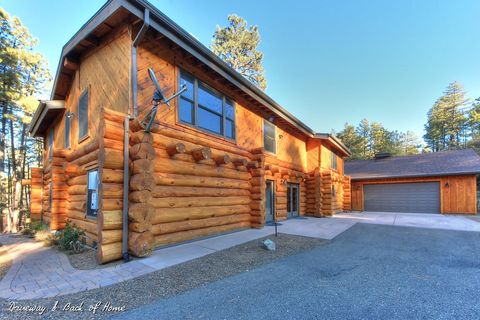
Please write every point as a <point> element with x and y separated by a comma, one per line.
<point>16,182</point>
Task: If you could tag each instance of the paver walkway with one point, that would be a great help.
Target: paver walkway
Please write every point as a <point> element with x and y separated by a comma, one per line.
<point>41,272</point>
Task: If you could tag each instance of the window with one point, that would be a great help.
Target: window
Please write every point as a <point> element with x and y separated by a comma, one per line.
<point>92,193</point>
<point>68,116</point>
<point>50,145</point>
<point>206,108</point>
<point>269,141</point>
<point>83,115</point>
<point>333,161</point>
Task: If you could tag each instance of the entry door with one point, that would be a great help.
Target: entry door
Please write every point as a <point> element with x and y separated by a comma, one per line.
<point>292,200</point>
<point>269,194</point>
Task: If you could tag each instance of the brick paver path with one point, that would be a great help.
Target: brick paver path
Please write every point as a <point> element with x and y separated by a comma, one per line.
<point>42,272</point>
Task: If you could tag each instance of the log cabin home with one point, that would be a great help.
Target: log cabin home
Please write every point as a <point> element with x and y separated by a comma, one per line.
<point>223,156</point>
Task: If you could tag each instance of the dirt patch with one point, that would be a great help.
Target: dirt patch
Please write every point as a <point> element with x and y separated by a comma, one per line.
<point>5,261</point>
<point>171,281</point>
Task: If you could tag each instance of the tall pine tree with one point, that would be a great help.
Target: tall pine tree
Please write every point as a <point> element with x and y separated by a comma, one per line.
<point>237,45</point>
<point>447,125</point>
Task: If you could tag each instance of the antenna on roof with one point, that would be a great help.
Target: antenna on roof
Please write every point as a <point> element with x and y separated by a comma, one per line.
<point>158,98</point>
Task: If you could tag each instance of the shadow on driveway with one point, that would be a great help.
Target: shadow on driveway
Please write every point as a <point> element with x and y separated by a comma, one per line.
<point>368,272</point>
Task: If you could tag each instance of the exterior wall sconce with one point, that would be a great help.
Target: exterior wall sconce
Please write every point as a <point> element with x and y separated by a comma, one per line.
<point>447,185</point>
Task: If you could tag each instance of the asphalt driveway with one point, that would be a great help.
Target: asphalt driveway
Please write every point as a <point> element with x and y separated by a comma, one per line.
<point>368,272</point>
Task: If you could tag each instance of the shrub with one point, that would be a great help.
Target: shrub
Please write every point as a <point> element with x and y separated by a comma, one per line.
<point>69,238</point>
<point>34,227</point>
<point>27,231</point>
<point>45,236</point>
<point>38,225</point>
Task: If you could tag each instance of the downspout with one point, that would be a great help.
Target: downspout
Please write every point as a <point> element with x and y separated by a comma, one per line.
<point>126,179</point>
<point>126,155</point>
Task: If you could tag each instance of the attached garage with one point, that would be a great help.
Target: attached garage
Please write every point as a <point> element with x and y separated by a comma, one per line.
<point>441,182</point>
<point>422,197</point>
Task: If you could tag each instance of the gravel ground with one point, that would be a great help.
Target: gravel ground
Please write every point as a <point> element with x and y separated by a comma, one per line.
<point>86,260</point>
<point>5,261</point>
<point>368,272</point>
<point>164,283</point>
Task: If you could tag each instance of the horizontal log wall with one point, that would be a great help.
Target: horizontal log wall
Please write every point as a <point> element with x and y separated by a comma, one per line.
<point>55,192</point>
<point>193,194</point>
<point>332,192</point>
<point>314,193</point>
<point>36,194</point>
<point>347,194</point>
<point>111,162</point>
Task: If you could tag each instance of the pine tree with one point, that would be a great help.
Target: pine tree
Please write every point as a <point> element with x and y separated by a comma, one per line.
<point>23,75</point>
<point>352,140</point>
<point>237,44</point>
<point>363,130</point>
<point>447,125</point>
<point>410,143</point>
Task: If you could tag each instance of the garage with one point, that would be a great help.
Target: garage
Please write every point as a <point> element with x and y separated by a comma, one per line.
<point>438,182</point>
<point>403,197</point>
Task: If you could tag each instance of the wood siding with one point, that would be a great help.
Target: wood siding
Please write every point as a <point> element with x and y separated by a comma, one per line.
<point>458,194</point>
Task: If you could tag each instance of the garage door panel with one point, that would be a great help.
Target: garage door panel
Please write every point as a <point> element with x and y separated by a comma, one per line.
<point>403,197</point>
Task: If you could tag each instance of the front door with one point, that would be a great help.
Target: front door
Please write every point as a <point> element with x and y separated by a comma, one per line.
<point>292,200</point>
<point>269,194</point>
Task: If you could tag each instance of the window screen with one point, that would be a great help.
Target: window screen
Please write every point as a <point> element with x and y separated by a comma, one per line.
<point>269,141</point>
<point>50,145</point>
<point>333,160</point>
<point>68,116</point>
<point>83,115</point>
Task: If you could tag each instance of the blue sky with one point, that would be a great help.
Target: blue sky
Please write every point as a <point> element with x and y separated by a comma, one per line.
<point>328,61</point>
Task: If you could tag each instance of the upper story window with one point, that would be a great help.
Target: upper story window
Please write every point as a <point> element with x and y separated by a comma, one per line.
<point>50,144</point>
<point>269,141</point>
<point>68,117</point>
<point>206,108</point>
<point>83,115</point>
<point>333,161</point>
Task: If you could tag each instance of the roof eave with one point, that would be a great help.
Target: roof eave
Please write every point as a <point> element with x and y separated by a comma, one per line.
<point>42,110</point>
<point>171,30</point>
<point>335,141</point>
<point>370,178</point>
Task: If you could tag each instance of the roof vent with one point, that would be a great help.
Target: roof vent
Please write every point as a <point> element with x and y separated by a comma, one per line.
<point>383,155</point>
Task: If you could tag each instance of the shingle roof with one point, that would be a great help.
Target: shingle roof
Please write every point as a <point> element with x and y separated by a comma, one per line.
<point>454,162</point>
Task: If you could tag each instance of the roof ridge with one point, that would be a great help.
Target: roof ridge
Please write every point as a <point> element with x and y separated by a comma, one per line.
<point>416,155</point>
